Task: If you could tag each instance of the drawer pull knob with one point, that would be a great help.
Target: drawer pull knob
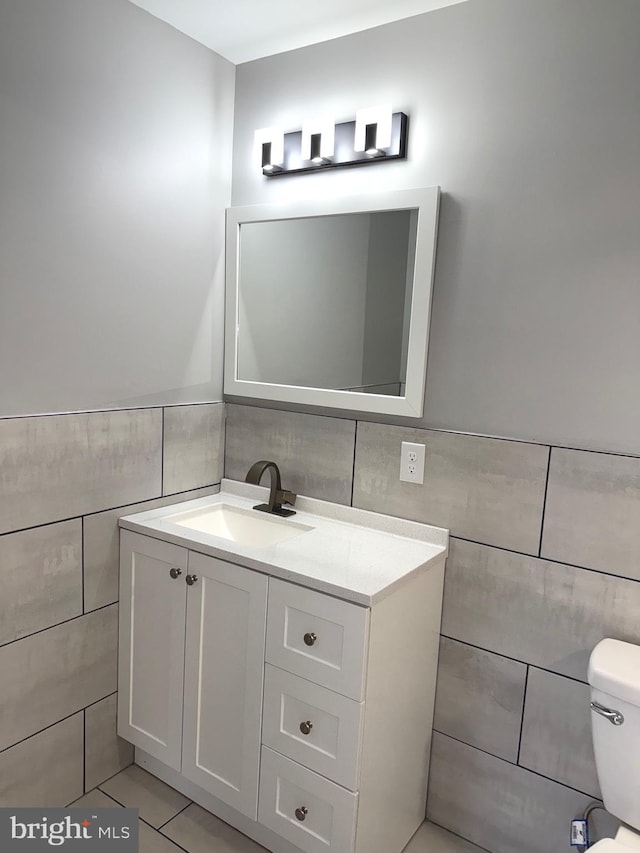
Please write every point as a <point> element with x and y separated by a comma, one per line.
<point>302,812</point>
<point>175,573</point>
<point>191,579</point>
<point>310,638</point>
<point>306,727</point>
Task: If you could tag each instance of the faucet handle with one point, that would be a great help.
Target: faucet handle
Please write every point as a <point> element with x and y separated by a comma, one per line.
<point>286,497</point>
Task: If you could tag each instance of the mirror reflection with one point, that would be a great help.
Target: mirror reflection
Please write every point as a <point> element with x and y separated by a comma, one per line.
<point>325,301</point>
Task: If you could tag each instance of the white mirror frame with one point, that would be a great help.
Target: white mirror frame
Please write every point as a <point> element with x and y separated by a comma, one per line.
<point>425,201</point>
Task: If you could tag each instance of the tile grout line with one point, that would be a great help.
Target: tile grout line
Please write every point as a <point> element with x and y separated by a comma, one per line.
<point>528,441</point>
<point>85,515</point>
<point>57,625</point>
<point>91,792</point>
<point>515,660</point>
<point>544,502</point>
<point>41,731</point>
<point>511,764</point>
<point>171,840</point>
<point>162,436</point>
<point>184,808</point>
<point>545,559</point>
<point>461,837</point>
<point>82,562</point>
<point>157,829</point>
<point>524,704</point>
<point>84,751</point>
<point>62,720</point>
<point>107,411</point>
<point>353,466</point>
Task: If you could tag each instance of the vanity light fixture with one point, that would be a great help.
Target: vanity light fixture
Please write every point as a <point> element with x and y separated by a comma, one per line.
<point>267,159</point>
<point>373,130</point>
<point>269,144</point>
<point>370,146</point>
<point>314,150</point>
<point>318,141</point>
<point>376,135</point>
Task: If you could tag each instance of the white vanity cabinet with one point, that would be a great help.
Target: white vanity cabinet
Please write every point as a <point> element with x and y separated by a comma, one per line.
<point>296,707</point>
<point>191,658</point>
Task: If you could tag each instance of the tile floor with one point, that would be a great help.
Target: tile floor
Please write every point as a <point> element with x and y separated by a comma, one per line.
<point>170,823</point>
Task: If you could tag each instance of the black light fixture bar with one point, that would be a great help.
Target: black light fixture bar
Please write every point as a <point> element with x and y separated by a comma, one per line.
<point>345,153</point>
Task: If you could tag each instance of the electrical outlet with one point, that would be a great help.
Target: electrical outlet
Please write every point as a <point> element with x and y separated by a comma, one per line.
<point>412,462</point>
<point>579,833</point>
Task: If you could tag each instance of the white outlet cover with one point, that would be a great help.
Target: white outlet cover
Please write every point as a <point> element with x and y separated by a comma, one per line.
<point>412,457</point>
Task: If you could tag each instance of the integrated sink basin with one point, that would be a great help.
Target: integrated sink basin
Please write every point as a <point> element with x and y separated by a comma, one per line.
<point>246,527</point>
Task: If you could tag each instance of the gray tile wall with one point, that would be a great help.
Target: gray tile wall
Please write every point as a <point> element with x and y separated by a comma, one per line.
<point>544,562</point>
<point>314,453</point>
<point>64,482</point>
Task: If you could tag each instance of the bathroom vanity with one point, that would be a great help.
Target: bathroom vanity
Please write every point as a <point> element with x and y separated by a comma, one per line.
<point>281,672</point>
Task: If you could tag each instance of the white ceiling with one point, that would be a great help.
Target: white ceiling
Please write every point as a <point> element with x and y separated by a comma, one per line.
<point>242,30</point>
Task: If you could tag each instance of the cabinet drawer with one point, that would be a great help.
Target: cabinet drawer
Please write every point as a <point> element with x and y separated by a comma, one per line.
<point>312,725</point>
<point>317,637</point>
<point>309,811</point>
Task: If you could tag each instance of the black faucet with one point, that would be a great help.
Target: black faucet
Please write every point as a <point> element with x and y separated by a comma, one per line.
<point>277,495</point>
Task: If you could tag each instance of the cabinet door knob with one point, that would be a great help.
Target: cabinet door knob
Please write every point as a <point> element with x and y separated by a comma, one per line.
<point>310,638</point>
<point>306,727</point>
<point>175,573</point>
<point>302,812</point>
<point>191,579</point>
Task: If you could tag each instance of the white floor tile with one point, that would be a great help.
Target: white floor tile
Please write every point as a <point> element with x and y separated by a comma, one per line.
<point>433,839</point>
<point>198,831</point>
<point>135,788</point>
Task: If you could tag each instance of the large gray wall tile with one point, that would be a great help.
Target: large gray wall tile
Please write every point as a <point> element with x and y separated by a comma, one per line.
<point>592,515</point>
<point>484,489</point>
<point>63,466</point>
<point>50,675</point>
<point>496,804</point>
<point>105,753</point>
<point>40,578</point>
<point>193,447</point>
<point>556,731</point>
<point>314,453</point>
<point>44,770</point>
<point>534,610</point>
<point>479,698</point>
<point>101,546</point>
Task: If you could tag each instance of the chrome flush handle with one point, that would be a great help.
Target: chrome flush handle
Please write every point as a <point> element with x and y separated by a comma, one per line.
<point>614,717</point>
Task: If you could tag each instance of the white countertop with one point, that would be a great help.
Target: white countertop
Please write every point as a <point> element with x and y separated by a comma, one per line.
<point>351,553</point>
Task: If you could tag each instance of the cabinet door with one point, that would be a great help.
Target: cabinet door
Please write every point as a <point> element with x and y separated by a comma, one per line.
<point>151,647</point>
<point>226,616</point>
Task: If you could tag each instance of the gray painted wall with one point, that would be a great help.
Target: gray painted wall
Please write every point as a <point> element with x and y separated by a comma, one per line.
<point>115,150</point>
<point>526,113</point>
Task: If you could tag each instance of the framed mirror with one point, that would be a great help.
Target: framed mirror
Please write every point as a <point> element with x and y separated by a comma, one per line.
<point>328,301</point>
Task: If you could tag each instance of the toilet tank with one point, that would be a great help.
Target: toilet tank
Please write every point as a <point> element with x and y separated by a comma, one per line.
<point>614,676</point>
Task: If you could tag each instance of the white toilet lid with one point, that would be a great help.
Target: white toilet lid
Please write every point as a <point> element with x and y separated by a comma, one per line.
<point>610,845</point>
